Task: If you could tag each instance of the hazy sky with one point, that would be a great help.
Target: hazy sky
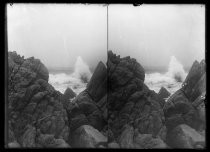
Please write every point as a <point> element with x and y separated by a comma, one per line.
<point>153,33</point>
<point>58,33</point>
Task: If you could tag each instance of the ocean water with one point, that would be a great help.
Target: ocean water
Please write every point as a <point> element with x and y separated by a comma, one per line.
<point>171,79</point>
<point>77,78</point>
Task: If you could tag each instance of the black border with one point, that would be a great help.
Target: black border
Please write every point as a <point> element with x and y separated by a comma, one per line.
<point>137,4</point>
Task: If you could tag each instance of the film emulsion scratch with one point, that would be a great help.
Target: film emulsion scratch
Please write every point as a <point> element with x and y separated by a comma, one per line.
<point>106,76</point>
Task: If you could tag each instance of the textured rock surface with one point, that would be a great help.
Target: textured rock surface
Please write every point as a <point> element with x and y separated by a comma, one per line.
<point>97,87</point>
<point>184,136</point>
<point>34,105</point>
<point>131,138</point>
<point>88,137</point>
<point>186,106</point>
<point>129,99</point>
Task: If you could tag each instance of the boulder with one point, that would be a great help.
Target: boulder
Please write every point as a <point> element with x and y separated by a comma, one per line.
<point>87,137</point>
<point>14,144</point>
<point>184,136</point>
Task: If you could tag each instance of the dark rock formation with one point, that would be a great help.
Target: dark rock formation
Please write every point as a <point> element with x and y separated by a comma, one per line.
<point>187,106</point>
<point>89,107</point>
<point>34,107</point>
<point>184,105</point>
<point>129,100</point>
<point>97,87</point>
<point>163,93</point>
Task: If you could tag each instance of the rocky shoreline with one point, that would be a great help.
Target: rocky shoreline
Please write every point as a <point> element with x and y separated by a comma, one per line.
<point>116,110</point>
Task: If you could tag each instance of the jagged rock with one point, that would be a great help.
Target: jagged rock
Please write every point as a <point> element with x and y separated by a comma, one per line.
<point>97,87</point>
<point>91,114</point>
<point>129,100</point>
<point>196,77</point>
<point>33,101</point>
<point>163,93</point>
<point>87,137</point>
<point>183,107</point>
<point>184,136</point>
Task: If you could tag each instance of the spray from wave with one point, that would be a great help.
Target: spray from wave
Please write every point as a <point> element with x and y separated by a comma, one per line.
<point>171,80</point>
<point>77,80</point>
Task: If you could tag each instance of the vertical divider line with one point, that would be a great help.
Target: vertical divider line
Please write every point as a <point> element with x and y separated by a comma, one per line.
<point>107,74</point>
<point>6,121</point>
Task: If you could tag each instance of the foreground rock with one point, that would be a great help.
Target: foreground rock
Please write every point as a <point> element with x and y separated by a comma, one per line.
<point>184,136</point>
<point>131,138</point>
<point>34,106</point>
<point>88,137</point>
<point>89,107</point>
<point>130,102</point>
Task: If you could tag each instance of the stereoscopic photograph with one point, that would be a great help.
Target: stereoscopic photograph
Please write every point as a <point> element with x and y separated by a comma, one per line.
<point>113,76</point>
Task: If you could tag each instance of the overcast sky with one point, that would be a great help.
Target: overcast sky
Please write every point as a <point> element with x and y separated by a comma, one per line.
<point>58,33</point>
<point>153,33</point>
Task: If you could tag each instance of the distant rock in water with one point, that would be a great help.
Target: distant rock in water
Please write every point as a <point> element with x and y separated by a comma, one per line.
<point>163,93</point>
<point>69,94</point>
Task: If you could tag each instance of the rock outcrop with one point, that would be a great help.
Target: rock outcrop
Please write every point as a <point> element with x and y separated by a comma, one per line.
<point>34,106</point>
<point>130,102</point>
<point>116,110</point>
<point>89,107</point>
<point>187,105</point>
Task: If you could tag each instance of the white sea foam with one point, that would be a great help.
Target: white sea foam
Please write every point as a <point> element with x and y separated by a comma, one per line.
<point>171,80</point>
<point>77,80</point>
